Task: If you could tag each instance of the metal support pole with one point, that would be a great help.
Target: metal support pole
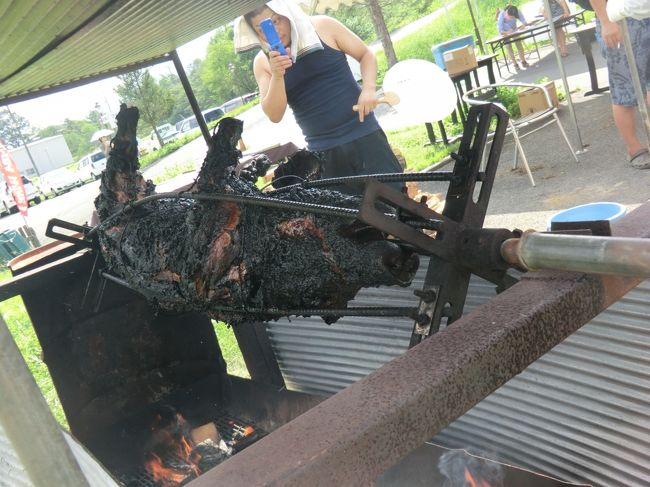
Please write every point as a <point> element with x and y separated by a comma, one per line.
<point>29,424</point>
<point>636,80</point>
<point>560,64</point>
<point>190,96</point>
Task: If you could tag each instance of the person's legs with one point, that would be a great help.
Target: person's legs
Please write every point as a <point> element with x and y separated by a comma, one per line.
<point>561,41</point>
<point>622,88</point>
<point>625,120</point>
<point>511,55</point>
<point>522,53</point>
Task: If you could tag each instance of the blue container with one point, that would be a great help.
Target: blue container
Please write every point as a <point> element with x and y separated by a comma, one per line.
<point>439,50</point>
<point>590,212</point>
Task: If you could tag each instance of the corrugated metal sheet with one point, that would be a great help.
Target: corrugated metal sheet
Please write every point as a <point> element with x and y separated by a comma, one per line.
<point>45,44</point>
<point>324,359</point>
<point>580,413</point>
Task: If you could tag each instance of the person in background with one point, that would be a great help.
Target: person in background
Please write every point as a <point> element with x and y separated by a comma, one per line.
<point>315,80</point>
<point>621,88</point>
<point>560,10</point>
<point>507,25</point>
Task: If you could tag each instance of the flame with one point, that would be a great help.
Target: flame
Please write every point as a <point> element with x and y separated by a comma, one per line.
<point>472,482</point>
<point>164,476</point>
<point>179,447</point>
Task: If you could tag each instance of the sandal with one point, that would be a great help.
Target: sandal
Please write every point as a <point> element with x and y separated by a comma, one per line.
<point>640,160</point>
<point>564,53</point>
<point>525,64</point>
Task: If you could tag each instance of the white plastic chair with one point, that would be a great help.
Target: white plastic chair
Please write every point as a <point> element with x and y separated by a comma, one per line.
<point>488,94</point>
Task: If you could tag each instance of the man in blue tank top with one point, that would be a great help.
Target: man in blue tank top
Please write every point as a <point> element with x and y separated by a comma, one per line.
<point>315,80</point>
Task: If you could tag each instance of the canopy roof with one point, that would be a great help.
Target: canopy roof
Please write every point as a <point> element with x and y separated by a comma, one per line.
<point>47,46</point>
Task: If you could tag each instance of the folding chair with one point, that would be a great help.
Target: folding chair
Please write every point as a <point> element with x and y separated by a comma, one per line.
<point>488,94</point>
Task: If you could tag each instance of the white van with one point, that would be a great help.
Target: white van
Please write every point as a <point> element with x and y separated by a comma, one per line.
<point>90,166</point>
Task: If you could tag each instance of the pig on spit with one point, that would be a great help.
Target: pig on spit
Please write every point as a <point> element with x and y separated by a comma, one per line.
<point>234,260</point>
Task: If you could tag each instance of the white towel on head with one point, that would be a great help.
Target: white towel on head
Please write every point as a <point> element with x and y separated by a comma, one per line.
<point>304,38</point>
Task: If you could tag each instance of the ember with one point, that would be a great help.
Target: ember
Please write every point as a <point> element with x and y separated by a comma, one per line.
<point>227,256</point>
<point>172,457</point>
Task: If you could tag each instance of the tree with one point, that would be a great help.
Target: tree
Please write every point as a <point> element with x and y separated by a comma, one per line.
<point>140,89</point>
<point>382,31</point>
<point>14,128</point>
<point>223,72</point>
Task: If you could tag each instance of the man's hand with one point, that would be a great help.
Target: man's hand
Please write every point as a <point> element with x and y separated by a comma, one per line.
<point>611,34</point>
<point>367,102</point>
<point>279,63</point>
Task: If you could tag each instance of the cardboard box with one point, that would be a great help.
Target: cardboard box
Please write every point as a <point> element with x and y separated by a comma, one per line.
<point>460,60</point>
<point>533,100</point>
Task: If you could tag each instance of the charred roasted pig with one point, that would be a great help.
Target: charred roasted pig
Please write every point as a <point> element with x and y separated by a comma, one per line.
<point>234,260</point>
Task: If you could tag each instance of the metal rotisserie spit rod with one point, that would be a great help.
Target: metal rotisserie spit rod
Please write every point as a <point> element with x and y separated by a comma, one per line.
<point>580,253</point>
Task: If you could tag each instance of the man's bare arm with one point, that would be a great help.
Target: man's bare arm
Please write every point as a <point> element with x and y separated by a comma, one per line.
<point>609,30</point>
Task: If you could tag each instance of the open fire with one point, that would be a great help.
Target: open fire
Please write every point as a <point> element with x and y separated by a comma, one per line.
<point>177,453</point>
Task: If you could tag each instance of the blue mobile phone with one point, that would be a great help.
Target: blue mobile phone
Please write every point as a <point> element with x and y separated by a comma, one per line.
<point>272,36</point>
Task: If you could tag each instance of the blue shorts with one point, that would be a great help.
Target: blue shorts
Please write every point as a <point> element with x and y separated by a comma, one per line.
<point>620,79</point>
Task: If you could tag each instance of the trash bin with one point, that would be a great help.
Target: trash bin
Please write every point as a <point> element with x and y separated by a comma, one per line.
<point>603,210</point>
<point>12,244</point>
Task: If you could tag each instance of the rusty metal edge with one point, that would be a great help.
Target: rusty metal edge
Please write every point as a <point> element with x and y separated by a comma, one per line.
<point>355,435</point>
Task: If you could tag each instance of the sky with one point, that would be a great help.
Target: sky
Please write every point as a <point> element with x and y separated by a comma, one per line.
<point>76,103</point>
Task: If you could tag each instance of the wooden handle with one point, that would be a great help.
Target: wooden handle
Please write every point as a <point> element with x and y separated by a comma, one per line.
<point>389,97</point>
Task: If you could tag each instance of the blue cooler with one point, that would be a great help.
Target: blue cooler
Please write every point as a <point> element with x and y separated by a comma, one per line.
<point>439,50</point>
<point>590,212</point>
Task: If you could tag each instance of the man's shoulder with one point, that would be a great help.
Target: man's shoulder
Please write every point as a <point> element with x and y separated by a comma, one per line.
<point>324,22</point>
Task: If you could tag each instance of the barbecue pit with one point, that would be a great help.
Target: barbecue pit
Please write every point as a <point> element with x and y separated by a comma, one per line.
<point>114,357</point>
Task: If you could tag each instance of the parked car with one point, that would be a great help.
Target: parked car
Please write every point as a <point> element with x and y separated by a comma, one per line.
<point>168,133</point>
<point>90,166</point>
<point>187,124</point>
<point>212,114</point>
<point>9,205</point>
<point>59,181</point>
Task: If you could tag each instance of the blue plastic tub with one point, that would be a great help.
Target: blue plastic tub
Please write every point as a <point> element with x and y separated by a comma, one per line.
<point>603,210</point>
<point>439,50</point>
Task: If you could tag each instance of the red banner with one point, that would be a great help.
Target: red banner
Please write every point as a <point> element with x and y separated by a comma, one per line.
<point>13,179</point>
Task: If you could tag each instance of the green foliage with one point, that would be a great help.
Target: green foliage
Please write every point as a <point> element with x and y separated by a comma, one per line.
<point>13,128</point>
<point>77,134</point>
<point>170,172</point>
<point>455,23</point>
<point>149,159</point>
<point>140,89</point>
<point>225,73</point>
<point>413,142</point>
<point>14,313</point>
<point>230,350</point>
<point>508,98</point>
<point>396,14</point>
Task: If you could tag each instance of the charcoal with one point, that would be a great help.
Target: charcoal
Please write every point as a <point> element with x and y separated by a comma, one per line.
<point>232,260</point>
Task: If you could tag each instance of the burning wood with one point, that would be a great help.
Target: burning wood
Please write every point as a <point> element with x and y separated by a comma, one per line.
<point>232,259</point>
<point>172,457</point>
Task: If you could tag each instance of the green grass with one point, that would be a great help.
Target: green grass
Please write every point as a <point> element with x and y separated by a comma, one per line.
<point>149,159</point>
<point>414,145</point>
<point>171,172</point>
<point>230,350</point>
<point>14,313</point>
